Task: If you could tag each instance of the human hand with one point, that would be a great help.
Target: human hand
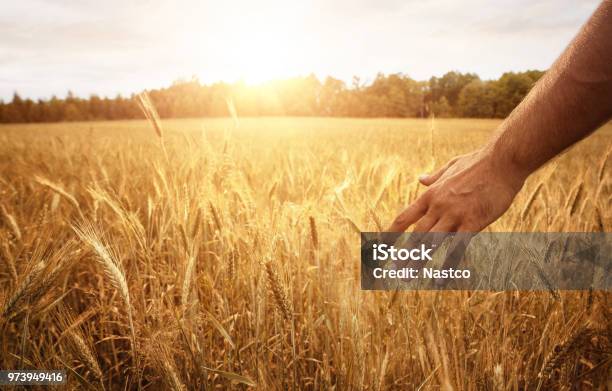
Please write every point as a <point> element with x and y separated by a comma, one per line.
<point>466,195</point>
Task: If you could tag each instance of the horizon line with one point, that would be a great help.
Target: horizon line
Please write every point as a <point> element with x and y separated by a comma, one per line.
<point>241,81</point>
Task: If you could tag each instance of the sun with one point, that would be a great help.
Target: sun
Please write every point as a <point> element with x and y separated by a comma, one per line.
<point>254,49</point>
<point>263,56</point>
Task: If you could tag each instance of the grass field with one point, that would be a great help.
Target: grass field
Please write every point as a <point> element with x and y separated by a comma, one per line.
<point>233,260</point>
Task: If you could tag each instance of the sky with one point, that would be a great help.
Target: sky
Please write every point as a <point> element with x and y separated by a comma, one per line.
<point>48,47</point>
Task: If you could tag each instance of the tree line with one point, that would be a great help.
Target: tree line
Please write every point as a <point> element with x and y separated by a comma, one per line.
<point>395,95</point>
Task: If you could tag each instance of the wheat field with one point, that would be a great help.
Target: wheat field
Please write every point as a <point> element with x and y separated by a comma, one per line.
<point>224,254</point>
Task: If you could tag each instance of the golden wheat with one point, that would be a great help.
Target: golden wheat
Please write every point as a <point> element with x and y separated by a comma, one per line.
<point>563,351</point>
<point>178,296</point>
<point>279,291</point>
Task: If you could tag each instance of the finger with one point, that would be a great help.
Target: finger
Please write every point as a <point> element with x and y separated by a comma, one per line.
<point>430,179</point>
<point>409,216</point>
<point>457,248</point>
<point>454,254</point>
<point>432,241</point>
<point>389,238</point>
<point>425,224</point>
<point>445,225</point>
<point>442,230</point>
<point>420,230</point>
<point>423,235</point>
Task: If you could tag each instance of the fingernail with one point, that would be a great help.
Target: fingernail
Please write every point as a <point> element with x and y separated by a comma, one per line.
<point>422,177</point>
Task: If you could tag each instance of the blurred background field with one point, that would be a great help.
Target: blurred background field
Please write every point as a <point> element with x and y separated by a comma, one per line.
<point>237,259</point>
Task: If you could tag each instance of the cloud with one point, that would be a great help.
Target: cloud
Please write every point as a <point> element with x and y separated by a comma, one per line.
<point>48,47</point>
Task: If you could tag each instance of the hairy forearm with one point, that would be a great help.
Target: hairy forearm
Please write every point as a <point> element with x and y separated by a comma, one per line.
<point>570,101</point>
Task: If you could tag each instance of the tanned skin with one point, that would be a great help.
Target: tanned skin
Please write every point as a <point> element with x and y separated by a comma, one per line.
<point>567,104</point>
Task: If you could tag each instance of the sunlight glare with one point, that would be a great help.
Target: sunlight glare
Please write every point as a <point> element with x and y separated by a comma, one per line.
<point>257,46</point>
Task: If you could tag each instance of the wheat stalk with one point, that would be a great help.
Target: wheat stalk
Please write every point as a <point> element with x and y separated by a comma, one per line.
<point>8,257</point>
<point>215,214</point>
<point>112,270</point>
<point>76,342</point>
<point>189,271</point>
<point>231,266</point>
<point>602,166</point>
<point>531,200</point>
<point>148,109</point>
<point>279,292</point>
<point>377,221</point>
<point>42,276</point>
<point>106,259</point>
<point>162,357</point>
<point>59,190</point>
<point>24,289</point>
<point>314,234</point>
<point>576,198</point>
<point>232,110</point>
<point>498,377</point>
<point>11,222</point>
<point>563,352</point>
<point>150,112</point>
<point>601,227</point>
<point>57,263</point>
<point>196,224</point>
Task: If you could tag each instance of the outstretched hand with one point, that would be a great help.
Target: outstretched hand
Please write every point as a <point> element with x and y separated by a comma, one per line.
<point>465,195</point>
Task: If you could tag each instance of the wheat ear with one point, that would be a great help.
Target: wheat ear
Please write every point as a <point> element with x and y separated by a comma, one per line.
<point>531,200</point>
<point>150,112</point>
<point>59,190</point>
<point>24,289</point>
<point>112,270</point>
<point>11,222</point>
<point>575,199</point>
<point>602,167</point>
<point>279,292</point>
<point>189,271</point>
<point>76,342</point>
<point>163,358</point>
<point>562,352</point>
<point>314,234</point>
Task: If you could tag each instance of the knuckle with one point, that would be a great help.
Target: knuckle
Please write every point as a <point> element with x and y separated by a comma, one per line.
<point>430,195</point>
<point>424,198</point>
<point>438,201</point>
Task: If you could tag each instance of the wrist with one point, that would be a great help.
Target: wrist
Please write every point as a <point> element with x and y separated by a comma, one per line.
<point>505,165</point>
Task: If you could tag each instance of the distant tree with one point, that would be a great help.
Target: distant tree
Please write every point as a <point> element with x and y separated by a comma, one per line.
<point>476,100</point>
<point>71,113</point>
<point>441,108</point>
<point>511,88</point>
<point>96,108</point>
<point>331,97</point>
<point>393,95</point>
<point>449,86</point>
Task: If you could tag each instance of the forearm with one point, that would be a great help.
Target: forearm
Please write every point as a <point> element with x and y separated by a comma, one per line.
<point>570,101</point>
